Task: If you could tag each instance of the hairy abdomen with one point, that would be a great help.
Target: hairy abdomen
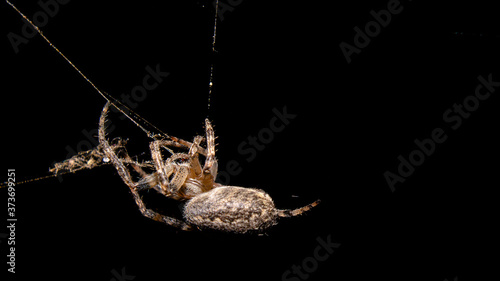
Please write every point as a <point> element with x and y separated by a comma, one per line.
<point>232,209</point>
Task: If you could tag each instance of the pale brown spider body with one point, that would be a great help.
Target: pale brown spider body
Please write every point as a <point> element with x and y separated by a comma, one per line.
<point>182,177</point>
<point>233,208</point>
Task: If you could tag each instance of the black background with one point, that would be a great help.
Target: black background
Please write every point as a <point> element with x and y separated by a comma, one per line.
<point>352,122</point>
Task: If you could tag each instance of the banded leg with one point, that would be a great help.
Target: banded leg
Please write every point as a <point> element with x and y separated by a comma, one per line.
<point>193,155</point>
<point>126,177</point>
<point>210,166</point>
<point>170,174</point>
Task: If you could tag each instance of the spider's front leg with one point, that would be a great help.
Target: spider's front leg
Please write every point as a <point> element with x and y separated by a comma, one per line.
<point>88,159</point>
<point>171,175</point>
<point>211,165</point>
<point>127,178</point>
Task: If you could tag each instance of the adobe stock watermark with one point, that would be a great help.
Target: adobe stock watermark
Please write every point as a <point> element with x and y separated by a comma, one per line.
<point>226,6</point>
<point>453,117</point>
<point>121,276</point>
<point>150,81</point>
<point>310,264</point>
<point>372,29</point>
<point>48,10</point>
<point>256,143</point>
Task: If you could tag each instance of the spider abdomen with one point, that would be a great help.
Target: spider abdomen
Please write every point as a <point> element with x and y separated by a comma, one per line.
<point>232,209</point>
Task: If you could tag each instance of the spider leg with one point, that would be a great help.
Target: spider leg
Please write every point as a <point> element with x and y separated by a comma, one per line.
<point>193,154</point>
<point>88,159</point>
<point>147,181</point>
<point>136,166</point>
<point>183,143</point>
<point>299,211</point>
<point>171,175</point>
<point>126,177</point>
<point>179,143</point>
<point>210,166</point>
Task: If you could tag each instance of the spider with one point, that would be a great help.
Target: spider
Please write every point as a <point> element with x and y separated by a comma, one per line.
<point>182,177</point>
<point>209,205</point>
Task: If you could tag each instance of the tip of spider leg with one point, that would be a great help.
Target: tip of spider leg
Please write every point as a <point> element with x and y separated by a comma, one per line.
<point>298,211</point>
<point>208,124</point>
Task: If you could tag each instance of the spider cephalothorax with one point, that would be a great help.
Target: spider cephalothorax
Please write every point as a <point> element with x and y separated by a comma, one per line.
<point>182,177</point>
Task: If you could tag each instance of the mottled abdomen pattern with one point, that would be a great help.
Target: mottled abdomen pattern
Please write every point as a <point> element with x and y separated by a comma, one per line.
<point>232,209</point>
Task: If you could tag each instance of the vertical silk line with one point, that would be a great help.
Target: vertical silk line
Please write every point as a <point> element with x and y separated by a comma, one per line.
<point>211,81</point>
